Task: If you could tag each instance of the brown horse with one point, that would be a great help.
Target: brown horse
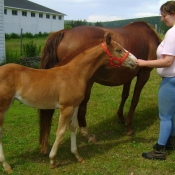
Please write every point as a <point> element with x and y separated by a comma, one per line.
<point>138,37</point>
<point>60,87</point>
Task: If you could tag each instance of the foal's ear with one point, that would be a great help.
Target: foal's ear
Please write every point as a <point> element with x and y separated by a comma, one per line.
<point>108,38</point>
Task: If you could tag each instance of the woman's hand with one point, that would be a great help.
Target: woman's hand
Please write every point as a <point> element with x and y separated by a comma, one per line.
<point>141,62</point>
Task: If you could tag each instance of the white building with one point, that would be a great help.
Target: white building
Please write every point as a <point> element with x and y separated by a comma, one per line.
<point>30,17</point>
<point>2,36</point>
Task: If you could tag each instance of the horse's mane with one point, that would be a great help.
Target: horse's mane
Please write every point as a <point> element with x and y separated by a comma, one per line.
<point>49,50</point>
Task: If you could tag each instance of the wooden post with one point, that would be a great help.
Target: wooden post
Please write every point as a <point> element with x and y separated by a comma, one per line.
<point>21,44</point>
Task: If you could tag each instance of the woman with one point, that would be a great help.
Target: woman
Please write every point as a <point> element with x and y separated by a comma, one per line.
<point>165,65</point>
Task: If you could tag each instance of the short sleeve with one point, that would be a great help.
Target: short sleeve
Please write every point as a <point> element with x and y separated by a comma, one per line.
<point>169,43</point>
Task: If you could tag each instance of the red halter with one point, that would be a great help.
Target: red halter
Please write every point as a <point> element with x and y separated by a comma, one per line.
<point>114,58</point>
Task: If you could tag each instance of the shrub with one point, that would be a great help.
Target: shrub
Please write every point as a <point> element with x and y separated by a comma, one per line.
<point>45,34</point>
<point>7,36</point>
<point>27,35</point>
<point>12,56</point>
<point>30,49</point>
<point>14,35</point>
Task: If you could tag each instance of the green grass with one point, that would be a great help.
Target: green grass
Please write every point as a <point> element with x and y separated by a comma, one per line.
<point>15,43</point>
<point>113,153</point>
<point>13,48</point>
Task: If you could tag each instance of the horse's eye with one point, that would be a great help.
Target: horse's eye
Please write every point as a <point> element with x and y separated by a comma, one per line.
<point>118,50</point>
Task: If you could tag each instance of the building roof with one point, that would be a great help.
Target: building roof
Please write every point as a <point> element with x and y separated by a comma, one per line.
<point>28,5</point>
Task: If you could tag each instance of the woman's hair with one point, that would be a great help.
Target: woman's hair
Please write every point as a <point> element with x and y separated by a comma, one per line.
<point>168,8</point>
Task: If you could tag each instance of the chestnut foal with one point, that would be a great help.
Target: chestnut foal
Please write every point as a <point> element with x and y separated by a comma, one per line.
<point>60,87</point>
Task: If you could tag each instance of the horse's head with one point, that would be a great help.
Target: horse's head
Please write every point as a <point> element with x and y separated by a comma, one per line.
<point>118,55</point>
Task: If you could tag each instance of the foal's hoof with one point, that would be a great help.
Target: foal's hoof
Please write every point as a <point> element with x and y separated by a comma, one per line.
<point>53,166</point>
<point>92,138</point>
<point>81,160</point>
<point>8,168</point>
<point>9,171</point>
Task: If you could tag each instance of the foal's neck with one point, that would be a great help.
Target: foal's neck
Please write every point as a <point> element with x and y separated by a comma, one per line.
<point>85,64</point>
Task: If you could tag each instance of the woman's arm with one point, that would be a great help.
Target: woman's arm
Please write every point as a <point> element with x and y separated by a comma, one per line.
<point>163,62</point>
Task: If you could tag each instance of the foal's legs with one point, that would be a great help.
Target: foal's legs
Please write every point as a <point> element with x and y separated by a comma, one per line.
<point>4,105</point>
<point>6,166</point>
<point>65,117</point>
<point>73,127</point>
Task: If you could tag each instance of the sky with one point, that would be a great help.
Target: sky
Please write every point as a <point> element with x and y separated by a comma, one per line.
<point>103,10</point>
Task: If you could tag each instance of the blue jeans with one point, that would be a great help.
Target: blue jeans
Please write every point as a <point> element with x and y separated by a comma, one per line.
<point>166,106</point>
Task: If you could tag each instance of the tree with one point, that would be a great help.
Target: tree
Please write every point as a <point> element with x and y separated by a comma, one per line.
<point>163,28</point>
<point>67,26</point>
<point>71,24</point>
<point>98,24</point>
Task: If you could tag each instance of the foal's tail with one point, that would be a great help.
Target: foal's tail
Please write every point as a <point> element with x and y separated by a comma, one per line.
<point>49,59</point>
<point>49,56</point>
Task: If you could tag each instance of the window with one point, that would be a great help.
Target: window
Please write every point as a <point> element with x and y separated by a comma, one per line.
<point>40,15</point>
<point>48,16</point>
<point>59,17</point>
<point>24,13</point>
<point>5,11</point>
<point>54,17</point>
<point>32,14</point>
<point>14,12</point>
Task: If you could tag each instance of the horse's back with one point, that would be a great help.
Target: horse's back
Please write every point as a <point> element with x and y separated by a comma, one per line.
<point>137,37</point>
<point>8,70</point>
<point>15,75</point>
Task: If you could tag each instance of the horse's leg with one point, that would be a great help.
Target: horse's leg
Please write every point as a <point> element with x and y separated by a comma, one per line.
<point>142,78</point>
<point>73,128</point>
<point>64,119</point>
<point>45,126</point>
<point>125,94</point>
<point>6,166</point>
<point>82,114</point>
<point>5,102</point>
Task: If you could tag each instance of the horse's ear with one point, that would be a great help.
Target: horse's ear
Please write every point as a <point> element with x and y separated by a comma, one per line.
<point>108,38</point>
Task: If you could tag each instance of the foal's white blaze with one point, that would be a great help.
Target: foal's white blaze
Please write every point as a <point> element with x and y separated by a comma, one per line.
<point>132,62</point>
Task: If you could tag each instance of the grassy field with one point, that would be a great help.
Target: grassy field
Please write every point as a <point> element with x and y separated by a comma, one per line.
<point>14,44</point>
<point>113,153</point>
<point>14,50</point>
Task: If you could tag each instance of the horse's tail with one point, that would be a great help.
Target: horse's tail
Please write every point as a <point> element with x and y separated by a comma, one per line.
<point>49,56</point>
<point>49,59</point>
<point>45,127</point>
